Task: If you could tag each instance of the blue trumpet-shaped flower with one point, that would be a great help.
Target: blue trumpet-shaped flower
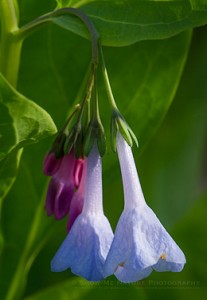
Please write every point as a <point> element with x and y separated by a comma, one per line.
<point>87,244</point>
<point>140,243</point>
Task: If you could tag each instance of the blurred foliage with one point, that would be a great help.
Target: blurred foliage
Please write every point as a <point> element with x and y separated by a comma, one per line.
<point>152,81</point>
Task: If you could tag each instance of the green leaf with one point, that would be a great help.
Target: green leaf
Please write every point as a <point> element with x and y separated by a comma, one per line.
<point>187,231</point>
<point>146,72</point>
<point>16,224</point>
<point>8,172</point>
<point>1,241</point>
<point>146,82</point>
<point>122,23</point>
<point>73,288</point>
<point>25,225</point>
<point>22,122</point>
<point>198,4</point>
<point>175,155</point>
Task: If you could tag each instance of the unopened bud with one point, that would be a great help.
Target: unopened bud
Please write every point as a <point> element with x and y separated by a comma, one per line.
<point>51,164</point>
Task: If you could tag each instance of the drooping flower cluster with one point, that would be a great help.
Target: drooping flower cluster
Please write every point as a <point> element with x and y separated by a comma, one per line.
<point>140,243</point>
<point>66,188</point>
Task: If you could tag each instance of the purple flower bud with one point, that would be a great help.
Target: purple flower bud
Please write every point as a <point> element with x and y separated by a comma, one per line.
<point>51,164</point>
<point>58,198</point>
<point>61,188</point>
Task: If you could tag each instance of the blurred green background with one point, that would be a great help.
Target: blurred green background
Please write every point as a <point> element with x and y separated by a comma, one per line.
<point>161,89</point>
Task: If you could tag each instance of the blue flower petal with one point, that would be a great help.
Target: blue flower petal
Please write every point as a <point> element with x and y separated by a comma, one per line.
<point>85,248</point>
<point>128,275</point>
<point>163,266</point>
<point>141,244</point>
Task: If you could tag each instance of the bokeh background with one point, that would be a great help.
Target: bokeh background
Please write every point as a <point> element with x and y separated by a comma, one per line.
<point>161,89</point>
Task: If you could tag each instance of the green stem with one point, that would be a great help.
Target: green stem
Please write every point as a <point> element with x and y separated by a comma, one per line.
<point>39,22</point>
<point>82,91</point>
<point>88,93</point>
<point>75,109</point>
<point>95,111</point>
<point>88,113</point>
<point>106,81</point>
<point>10,50</point>
<point>86,84</point>
<point>9,15</point>
<point>83,86</point>
<point>19,279</point>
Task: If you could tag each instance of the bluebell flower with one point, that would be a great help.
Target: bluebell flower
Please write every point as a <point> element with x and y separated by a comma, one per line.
<point>140,243</point>
<point>86,246</point>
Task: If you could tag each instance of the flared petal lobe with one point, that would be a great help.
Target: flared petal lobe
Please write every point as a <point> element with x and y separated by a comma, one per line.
<point>86,246</point>
<point>140,243</point>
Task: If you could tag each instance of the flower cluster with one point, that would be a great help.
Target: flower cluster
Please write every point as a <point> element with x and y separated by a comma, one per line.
<point>91,249</point>
<point>66,188</point>
<point>140,242</point>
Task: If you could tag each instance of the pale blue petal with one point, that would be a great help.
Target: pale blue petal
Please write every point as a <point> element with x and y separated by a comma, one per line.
<point>139,242</point>
<point>163,266</point>
<point>128,275</point>
<point>85,248</point>
<point>162,243</point>
<point>125,248</point>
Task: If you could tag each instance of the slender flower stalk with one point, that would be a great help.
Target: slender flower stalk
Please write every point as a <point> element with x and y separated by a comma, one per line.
<point>140,243</point>
<point>86,246</point>
<point>118,123</point>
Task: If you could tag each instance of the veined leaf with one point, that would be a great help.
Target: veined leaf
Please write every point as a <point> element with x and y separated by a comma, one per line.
<point>21,120</point>
<point>144,79</point>
<point>8,172</point>
<point>175,154</point>
<point>125,22</point>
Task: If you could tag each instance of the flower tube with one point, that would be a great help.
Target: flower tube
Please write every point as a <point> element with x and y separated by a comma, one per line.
<point>140,243</point>
<point>87,244</point>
